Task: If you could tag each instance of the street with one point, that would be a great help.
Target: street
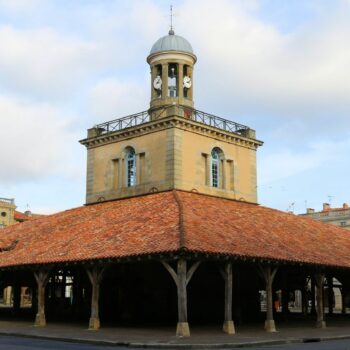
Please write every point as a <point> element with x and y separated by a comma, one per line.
<point>326,345</point>
<point>22,343</point>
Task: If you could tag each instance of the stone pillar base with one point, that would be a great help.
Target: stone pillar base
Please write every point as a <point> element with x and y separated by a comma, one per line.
<point>270,326</point>
<point>321,324</point>
<point>229,327</point>
<point>94,324</point>
<point>40,320</point>
<point>182,329</point>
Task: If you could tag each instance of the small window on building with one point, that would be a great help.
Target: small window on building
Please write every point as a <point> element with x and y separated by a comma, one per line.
<point>130,167</point>
<point>343,223</point>
<point>216,155</point>
<point>3,214</point>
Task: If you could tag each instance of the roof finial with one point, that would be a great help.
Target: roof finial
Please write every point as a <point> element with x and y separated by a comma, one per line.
<point>171,31</point>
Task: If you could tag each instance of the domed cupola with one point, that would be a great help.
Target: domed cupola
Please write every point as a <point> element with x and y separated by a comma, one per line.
<point>172,42</point>
<point>171,60</point>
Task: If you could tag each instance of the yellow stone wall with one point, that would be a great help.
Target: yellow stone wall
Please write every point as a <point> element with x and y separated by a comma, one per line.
<point>7,212</point>
<point>174,157</point>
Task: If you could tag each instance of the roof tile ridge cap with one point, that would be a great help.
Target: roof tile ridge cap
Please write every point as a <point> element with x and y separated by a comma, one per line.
<point>179,203</point>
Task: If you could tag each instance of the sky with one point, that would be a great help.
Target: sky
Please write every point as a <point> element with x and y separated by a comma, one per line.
<point>281,67</point>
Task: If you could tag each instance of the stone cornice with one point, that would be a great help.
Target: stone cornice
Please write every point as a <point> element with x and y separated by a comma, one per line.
<point>171,122</point>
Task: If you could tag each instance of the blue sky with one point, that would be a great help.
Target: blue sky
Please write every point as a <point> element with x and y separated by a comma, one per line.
<point>281,67</point>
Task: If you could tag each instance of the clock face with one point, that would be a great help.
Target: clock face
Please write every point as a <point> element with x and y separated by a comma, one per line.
<point>187,82</point>
<point>157,83</point>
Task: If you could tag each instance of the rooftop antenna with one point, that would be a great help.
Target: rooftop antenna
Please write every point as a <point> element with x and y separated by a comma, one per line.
<point>171,31</point>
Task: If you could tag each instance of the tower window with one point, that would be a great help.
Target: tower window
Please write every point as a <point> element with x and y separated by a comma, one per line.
<point>130,167</point>
<point>172,80</point>
<point>215,167</point>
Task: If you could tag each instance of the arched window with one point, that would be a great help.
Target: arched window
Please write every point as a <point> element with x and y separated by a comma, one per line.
<point>130,167</point>
<point>216,154</point>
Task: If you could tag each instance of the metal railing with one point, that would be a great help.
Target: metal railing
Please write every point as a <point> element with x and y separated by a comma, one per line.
<point>124,123</point>
<point>217,122</point>
<point>189,113</point>
<point>7,200</point>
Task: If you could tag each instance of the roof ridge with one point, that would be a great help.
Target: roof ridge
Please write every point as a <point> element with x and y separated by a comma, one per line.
<point>182,244</point>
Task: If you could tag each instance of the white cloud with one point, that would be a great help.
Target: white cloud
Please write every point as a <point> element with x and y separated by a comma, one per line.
<point>36,141</point>
<point>19,5</point>
<point>111,99</point>
<point>286,163</point>
<point>45,63</point>
<point>254,68</point>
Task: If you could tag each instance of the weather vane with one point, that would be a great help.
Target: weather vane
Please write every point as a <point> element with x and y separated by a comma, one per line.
<point>171,31</point>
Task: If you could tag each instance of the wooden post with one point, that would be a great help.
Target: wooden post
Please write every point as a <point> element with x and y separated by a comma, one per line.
<point>95,276</point>
<point>41,277</point>
<point>319,280</point>
<point>304,300</point>
<point>343,306</point>
<point>330,295</point>
<point>16,298</point>
<point>182,326</point>
<point>268,275</point>
<point>313,304</point>
<point>181,278</point>
<point>285,297</point>
<point>226,273</point>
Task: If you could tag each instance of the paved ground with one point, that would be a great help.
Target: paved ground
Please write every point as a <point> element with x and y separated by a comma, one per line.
<point>201,337</point>
<point>20,343</point>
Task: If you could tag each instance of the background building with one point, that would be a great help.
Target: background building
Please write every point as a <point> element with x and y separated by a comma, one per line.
<point>335,216</point>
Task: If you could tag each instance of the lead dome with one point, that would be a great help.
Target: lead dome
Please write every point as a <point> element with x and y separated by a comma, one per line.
<point>171,42</point>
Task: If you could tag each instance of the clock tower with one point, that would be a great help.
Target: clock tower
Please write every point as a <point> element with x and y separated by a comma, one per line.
<point>171,60</point>
<point>171,146</point>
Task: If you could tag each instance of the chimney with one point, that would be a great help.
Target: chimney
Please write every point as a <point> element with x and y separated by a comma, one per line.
<point>345,206</point>
<point>310,210</point>
<point>326,206</point>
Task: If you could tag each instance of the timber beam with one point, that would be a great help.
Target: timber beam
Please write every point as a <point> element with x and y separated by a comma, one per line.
<point>319,280</point>
<point>226,272</point>
<point>181,278</point>
<point>42,276</point>
<point>95,275</point>
<point>268,274</point>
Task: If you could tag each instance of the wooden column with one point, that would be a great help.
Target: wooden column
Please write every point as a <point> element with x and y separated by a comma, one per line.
<point>41,277</point>
<point>226,272</point>
<point>268,273</point>
<point>319,280</point>
<point>16,298</point>
<point>95,274</point>
<point>330,295</point>
<point>313,304</point>
<point>343,306</point>
<point>285,297</point>
<point>181,278</point>
<point>304,300</point>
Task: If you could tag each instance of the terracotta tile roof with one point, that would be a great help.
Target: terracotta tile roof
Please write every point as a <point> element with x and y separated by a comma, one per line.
<point>165,222</point>
<point>19,216</point>
<point>121,228</point>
